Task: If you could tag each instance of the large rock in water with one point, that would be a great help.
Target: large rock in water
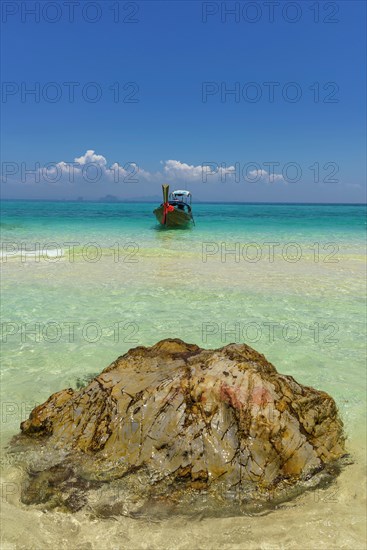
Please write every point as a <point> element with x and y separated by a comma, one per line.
<point>174,422</point>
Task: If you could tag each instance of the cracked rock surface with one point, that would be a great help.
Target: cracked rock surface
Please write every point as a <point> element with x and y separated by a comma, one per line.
<point>175,420</point>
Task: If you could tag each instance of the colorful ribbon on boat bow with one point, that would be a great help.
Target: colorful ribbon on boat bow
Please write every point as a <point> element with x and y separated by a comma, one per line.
<point>167,207</point>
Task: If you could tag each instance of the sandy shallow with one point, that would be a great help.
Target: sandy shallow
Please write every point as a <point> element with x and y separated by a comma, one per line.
<point>171,292</point>
<point>334,518</point>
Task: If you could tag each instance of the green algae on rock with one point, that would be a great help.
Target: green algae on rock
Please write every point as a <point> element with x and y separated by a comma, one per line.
<point>173,421</point>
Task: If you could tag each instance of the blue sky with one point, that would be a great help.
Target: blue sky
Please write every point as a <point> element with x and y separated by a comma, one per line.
<point>176,62</point>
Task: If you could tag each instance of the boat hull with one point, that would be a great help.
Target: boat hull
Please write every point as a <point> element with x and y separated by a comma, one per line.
<point>176,218</point>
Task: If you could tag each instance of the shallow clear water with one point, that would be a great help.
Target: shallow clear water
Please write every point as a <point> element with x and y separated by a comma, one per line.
<point>286,279</point>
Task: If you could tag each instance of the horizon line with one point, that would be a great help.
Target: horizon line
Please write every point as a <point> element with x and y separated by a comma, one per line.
<point>134,201</point>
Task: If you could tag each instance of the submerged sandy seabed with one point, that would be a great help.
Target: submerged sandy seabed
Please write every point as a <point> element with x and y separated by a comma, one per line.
<point>333,518</point>
<point>164,305</point>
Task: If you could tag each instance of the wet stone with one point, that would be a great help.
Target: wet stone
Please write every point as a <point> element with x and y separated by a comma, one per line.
<point>181,429</point>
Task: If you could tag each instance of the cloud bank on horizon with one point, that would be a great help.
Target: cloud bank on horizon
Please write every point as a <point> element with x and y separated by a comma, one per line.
<point>90,175</point>
<point>174,171</point>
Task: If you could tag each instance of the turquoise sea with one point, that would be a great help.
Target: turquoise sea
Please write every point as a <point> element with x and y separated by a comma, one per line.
<point>84,282</point>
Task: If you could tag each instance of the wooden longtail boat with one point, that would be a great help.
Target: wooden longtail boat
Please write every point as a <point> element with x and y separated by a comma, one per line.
<point>175,211</point>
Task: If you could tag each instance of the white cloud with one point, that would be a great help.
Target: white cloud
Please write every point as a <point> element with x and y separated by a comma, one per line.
<point>92,168</point>
<point>91,157</point>
<point>258,173</point>
<point>263,175</point>
<point>177,170</point>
